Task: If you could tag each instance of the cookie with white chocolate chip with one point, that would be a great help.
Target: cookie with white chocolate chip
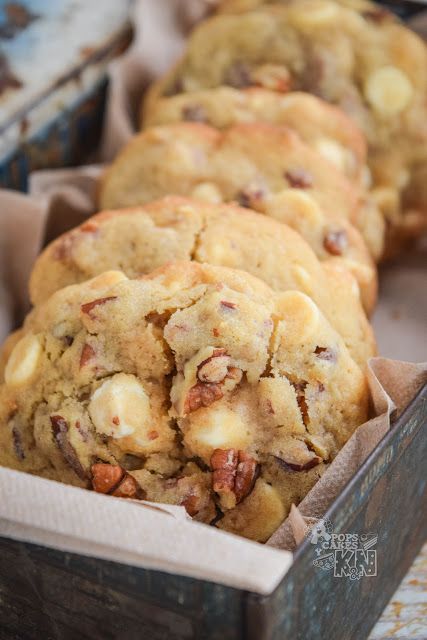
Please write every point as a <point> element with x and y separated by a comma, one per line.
<point>358,58</point>
<point>139,240</point>
<point>322,126</point>
<point>194,385</point>
<point>262,167</point>
<point>319,124</point>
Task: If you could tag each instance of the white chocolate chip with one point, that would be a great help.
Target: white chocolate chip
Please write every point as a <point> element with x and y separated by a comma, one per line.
<point>185,156</point>
<point>106,280</point>
<point>217,428</point>
<point>272,76</point>
<point>314,14</point>
<point>388,201</point>
<point>297,208</point>
<point>120,407</point>
<point>207,192</point>
<point>388,90</point>
<point>337,155</point>
<point>23,361</point>
<point>403,178</point>
<point>258,516</point>
<point>361,272</point>
<point>303,278</point>
<point>366,177</point>
<point>300,316</point>
<point>218,253</point>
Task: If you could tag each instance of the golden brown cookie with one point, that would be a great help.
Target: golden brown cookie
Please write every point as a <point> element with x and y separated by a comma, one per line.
<point>139,240</point>
<point>194,385</point>
<point>362,60</point>
<point>266,168</point>
<point>323,127</point>
<point>319,124</point>
<point>240,6</point>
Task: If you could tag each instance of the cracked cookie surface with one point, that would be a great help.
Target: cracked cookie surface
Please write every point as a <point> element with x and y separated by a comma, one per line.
<point>194,385</point>
<point>318,123</point>
<point>262,167</point>
<point>324,128</point>
<point>136,241</point>
<point>359,58</point>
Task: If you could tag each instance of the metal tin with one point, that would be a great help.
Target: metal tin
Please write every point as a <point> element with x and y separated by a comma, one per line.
<point>60,596</point>
<point>52,90</point>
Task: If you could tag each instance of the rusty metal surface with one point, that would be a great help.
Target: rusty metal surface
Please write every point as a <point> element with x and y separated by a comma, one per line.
<point>52,89</point>
<point>50,595</point>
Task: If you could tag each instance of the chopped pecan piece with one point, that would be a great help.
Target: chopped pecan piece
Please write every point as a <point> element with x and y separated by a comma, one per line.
<point>191,504</point>
<point>63,248</point>
<point>194,113</point>
<point>106,477</point>
<point>233,472</point>
<point>202,395</point>
<point>215,376</point>
<point>273,77</point>
<point>60,431</point>
<point>228,305</point>
<point>89,306</point>
<point>238,75</point>
<point>224,464</point>
<point>235,374</point>
<point>324,353</point>
<point>128,488</point>
<point>299,178</point>
<point>215,368</point>
<point>18,446</point>
<point>291,465</point>
<point>336,242</point>
<point>245,476</point>
<point>302,403</point>
<point>89,227</point>
<point>250,199</point>
<point>195,497</point>
<point>87,354</point>
<point>377,15</point>
<point>82,430</point>
<point>269,407</point>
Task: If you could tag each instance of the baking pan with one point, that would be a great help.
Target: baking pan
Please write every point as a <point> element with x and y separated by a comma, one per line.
<point>49,594</point>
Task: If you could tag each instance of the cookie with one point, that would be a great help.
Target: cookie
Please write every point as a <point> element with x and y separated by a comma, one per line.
<point>6,349</point>
<point>326,129</point>
<point>363,61</point>
<point>266,168</point>
<point>240,6</point>
<point>319,124</point>
<point>194,385</point>
<point>136,241</point>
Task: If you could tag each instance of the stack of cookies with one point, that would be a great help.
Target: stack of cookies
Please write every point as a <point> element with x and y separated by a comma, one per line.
<point>203,341</point>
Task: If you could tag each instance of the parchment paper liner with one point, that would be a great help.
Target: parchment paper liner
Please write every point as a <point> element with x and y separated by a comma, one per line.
<point>163,537</point>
